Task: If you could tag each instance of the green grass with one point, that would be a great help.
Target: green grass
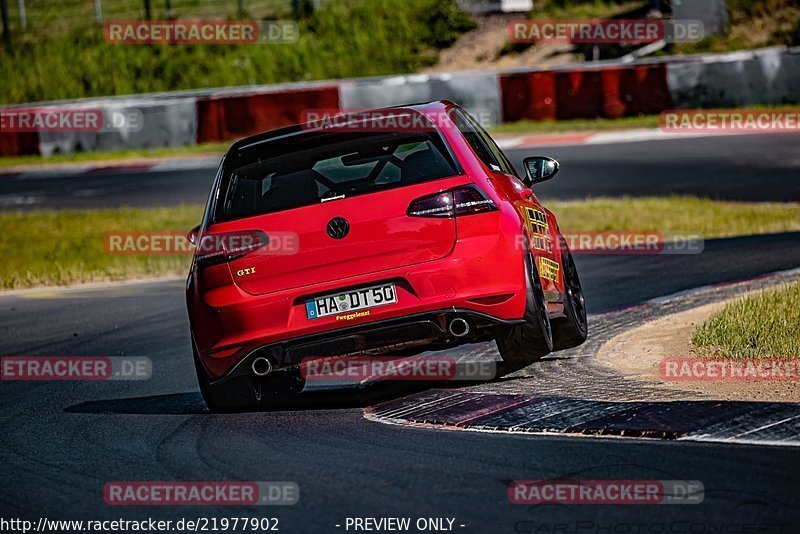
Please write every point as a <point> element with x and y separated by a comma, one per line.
<point>576,125</point>
<point>64,247</point>
<point>765,325</point>
<point>46,248</point>
<point>708,218</point>
<point>62,16</point>
<point>341,40</point>
<point>583,9</point>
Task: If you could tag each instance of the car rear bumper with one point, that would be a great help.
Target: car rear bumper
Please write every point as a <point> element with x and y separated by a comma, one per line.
<point>379,337</point>
<point>482,279</point>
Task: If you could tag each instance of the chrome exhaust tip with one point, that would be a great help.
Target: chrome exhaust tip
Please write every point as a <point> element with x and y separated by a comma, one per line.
<point>261,366</point>
<point>458,327</point>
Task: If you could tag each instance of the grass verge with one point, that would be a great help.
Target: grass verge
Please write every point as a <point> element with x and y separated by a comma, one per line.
<point>710,218</point>
<point>764,325</point>
<point>577,125</point>
<point>49,248</point>
<point>65,247</point>
<point>341,39</point>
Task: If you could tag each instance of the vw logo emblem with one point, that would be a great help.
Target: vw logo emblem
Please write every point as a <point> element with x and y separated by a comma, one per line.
<point>338,227</point>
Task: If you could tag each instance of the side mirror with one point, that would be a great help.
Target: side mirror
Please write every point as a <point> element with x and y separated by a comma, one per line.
<point>539,169</point>
<point>192,235</point>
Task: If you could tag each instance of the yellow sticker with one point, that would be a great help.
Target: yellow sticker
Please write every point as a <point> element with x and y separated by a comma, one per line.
<point>351,316</point>
<point>540,231</point>
<point>548,269</point>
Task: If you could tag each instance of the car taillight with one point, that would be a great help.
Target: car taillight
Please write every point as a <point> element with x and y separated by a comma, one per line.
<point>464,200</point>
<point>437,205</point>
<point>214,249</point>
<point>470,199</point>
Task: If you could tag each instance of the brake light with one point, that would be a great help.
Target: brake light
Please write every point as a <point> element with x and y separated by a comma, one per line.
<point>464,200</point>
<point>470,200</point>
<point>436,205</point>
<point>214,249</point>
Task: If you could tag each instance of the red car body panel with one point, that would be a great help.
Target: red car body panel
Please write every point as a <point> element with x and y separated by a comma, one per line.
<point>472,262</point>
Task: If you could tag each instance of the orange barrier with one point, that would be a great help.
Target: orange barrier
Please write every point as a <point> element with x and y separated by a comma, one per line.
<point>609,92</point>
<point>223,118</point>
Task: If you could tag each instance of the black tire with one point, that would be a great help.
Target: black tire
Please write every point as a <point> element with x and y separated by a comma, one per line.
<point>248,392</point>
<point>524,344</point>
<point>570,331</point>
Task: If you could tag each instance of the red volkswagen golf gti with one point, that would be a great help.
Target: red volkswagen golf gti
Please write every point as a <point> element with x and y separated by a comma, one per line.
<point>398,231</point>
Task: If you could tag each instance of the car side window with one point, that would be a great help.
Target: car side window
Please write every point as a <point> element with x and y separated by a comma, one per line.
<point>504,164</point>
<point>475,140</point>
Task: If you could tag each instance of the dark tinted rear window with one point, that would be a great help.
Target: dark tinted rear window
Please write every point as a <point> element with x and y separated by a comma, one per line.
<point>316,167</point>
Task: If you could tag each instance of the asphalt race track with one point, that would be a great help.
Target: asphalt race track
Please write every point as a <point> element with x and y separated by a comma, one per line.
<point>62,441</point>
<point>742,167</point>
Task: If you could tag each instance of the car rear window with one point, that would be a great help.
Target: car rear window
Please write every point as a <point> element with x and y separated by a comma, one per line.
<point>311,168</point>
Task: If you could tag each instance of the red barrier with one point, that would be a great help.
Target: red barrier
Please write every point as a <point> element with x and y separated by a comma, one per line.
<point>229,117</point>
<point>645,90</point>
<point>610,92</point>
<point>528,95</point>
<point>19,143</point>
<point>614,104</point>
<point>579,94</point>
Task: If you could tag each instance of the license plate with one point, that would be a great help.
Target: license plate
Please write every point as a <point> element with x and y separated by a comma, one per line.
<point>351,301</point>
